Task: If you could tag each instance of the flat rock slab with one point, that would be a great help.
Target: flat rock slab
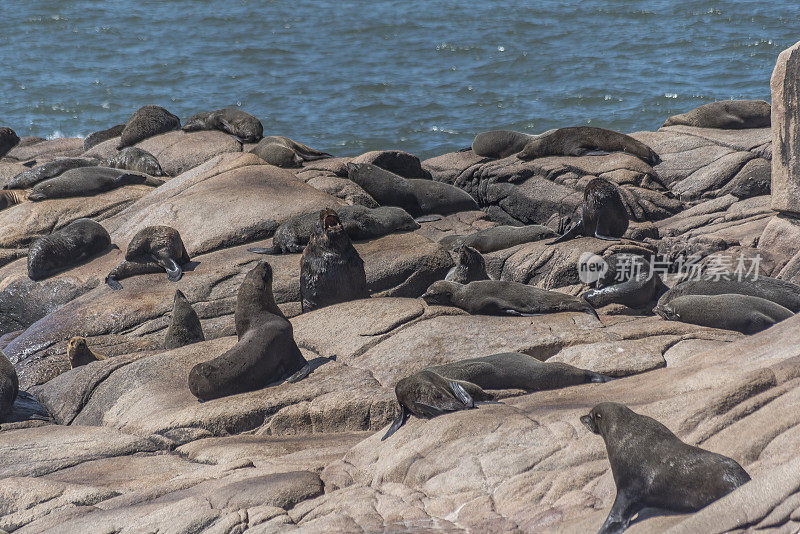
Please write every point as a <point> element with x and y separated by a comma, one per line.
<point>63,147</point>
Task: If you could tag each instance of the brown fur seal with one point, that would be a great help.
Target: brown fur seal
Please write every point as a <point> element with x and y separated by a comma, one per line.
<point>456,386</point>
<point>500,237</point>
<point>8,140</point>
<point>627,281</point>
<point>358,221</point>
<point>653,468</point>
<point>498,297</point>
<point>153,249</point>
<point>726,114</point>
<point>184,325</point>
<point>95,138</point>
<point>580,140</point>
<point>10,198</point>
<point>499,143</point>
<point>72,245</point>
<point>331,269</point>
<point>88,181</point>
<point>9,386</point>
<point>266,353</point>
<point>135,159</point>
<point>79,353</point>
<point>51,169</point>
<point>743,313</point>
<point>229,120</point>
<point>603,214</point>
<point>780,292</point>
<point>470,267</point>
<point>283,152</point>
<point>145,122</point>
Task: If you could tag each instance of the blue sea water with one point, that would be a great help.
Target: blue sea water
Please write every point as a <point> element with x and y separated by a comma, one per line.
<point>350,76</point>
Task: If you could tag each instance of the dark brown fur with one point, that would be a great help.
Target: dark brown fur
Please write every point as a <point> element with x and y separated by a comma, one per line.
<point>184,325</point>
<point>578,140</point>
<point>9,386</point>
<point>12,197</point>
<point>77,242</point>
<point>283,152</point>
<point>229,120</point>
<point>145,122</point>
<point>8,140</point>
<point>603,214</point>
<point>153,249</point>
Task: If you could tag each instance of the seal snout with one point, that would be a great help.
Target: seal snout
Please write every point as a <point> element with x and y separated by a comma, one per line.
<point>589,423</point>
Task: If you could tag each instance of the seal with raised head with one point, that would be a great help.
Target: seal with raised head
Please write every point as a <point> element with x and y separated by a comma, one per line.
<point>470,267</point>
<point>458,385</point>
<point>72,245</point>
<point>8,140</point>
<point>729,311</point>
<point>79,353</point>
<point>266,353</point>
<point>145,122</point>
<point>629,281</point>
<point>9,386</point>
<point>653,468</point>
<point>12,197</point>
<point>51,169</point>
<point>95,138</point>
<point>500,237</point>
<point>603,213</point>
<point>283,152</point>
<point>581,140</point>
<point>184,325</point>
<point>778,291</point>
<point>229,120</point>
<point>331,270</point>
<point>359,222</point>
<point>499,297</point>
<point>88,181</point>
<point>153,249</point>
<point>726,115</point>
<point>135,159</point>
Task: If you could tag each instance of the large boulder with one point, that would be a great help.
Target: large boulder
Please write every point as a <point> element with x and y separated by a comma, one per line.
<point>785,88</point>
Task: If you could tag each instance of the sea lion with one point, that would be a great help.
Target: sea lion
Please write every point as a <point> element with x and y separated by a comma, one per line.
<point>628,281</point>
<point>283,152</point>
<point>79,353</point>
<point>95,138</point>
<point>9,198</point>
<point>266,352</point>
<point>603,214</point>
<point>580,140</point>
<point>500,143</point>
<point>153,249</point>
<point>726,114</point>
<point>229,120</point>
<point>498,297</point>
<point>135,159</point>
<point>470,267</point>
<point>653,468</point>
<point>8,140</point>
<point>184,325</point>
<point>500,237</point>
<point>88,181</point>
<point>780,292</point>
<point>9,386</point>
<point>145,122</point>
<point>331,269</point>
<point>456,386</point>
<point>358,221</point>
<point>729,311</point>
<point>51,169</point>
<point>75,243</point>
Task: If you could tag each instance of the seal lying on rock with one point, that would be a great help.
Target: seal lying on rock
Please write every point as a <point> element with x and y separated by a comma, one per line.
<point>9,386</point>
<point>266,353</point>
<point>79,353</point>
<point>358,221</point>
<point>743,313</point>
<point>153,249</point>
<point>283,152</point>
<point>8,140</point>
<point>500,143</point>
<point>653,468</point>
<point>331,270</point>
<point>184,325</point>
<point>73,244</point>
<point>499,237</point>
<point>580,140</point>
<point>229,120</point>
<point>726,114</point>
<point>51,169</point>
<point>455,386</point>
<point>135,159</point>
<point>470,267</point>
<point>498,297</point>
<point>780,292</point>
<point>95,138</point>
<point>603,214</point>
<point>10,198</point>
<point>145,122</point>
<point>628,281</point>
<point>88,181</point>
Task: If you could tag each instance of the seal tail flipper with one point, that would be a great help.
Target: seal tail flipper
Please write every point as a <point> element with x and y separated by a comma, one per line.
<point>174,271</point>
<point>397,423</point>
<point>264,250</point>
<point>622,511</point>
<point>575,231</point>
<point>301,374</point>
<point>479,403</point>
<point>600,234</point>
<point>113,283</point>
<point>428,218</point>
<point>461,394</point>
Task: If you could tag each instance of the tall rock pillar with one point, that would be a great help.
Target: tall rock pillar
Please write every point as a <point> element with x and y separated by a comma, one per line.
<point>785,88</point>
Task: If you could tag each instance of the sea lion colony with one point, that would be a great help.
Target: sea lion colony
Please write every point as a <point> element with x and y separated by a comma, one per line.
<point>332,271</point>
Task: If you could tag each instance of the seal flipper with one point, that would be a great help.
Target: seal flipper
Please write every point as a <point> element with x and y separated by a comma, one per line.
<point>622,511</point>
<point>575,231</point>
<point>174,271</point>
<point>461,394</point>
<point>113,283</point>
<point>397,423</point>
<point>301,374</point>
<point>600,234</point>
<point>264,250</point>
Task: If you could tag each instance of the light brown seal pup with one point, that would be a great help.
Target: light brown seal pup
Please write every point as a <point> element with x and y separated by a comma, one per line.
<point>79,353</point>
<point>72,245</point>
<point>8,140</point>
<point>283,152</point>
<point>184,325</point>
<point>580,140</point>
<point>266,353</point>
<point>653,468</point>
<point>603,213</point>
<point>470,267</point>
<point>12,197</point>
<point>726,114</point>
<point>51,169</point>
<point>145,122</point>
<point>153,249</point>
<point>9,386</point>
<point>331,270</point>
<point>88,181</point>
<point>135,159</point>
<point>229,120</point>
<point>729,311</point>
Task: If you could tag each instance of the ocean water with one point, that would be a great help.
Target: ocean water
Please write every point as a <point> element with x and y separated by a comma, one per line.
<point>351,76</point>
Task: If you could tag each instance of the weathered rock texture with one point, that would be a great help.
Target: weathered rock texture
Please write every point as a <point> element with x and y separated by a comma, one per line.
<point>785,88</point>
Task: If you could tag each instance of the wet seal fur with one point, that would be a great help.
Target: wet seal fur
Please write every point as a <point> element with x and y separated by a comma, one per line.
<point>778,291</point>
<point>331,270</point>
<point>603,213</point>
<point>359,222</point>
<point>726,115</point>
<point>79,353</point>
<point>636,289</point>
<point>88,181</point>
<point>95,138</point>
<point>470,267</point>
<point>8,140</point>
<point>458,385</point>
<point>153,249</point>
<point>498,297</point>
<point>145,122</point>
<point>135,159</point>
<point>184,325</point>
<point>72,245</point>
<point>9,386</point>
<point>283,152</point>
<point>729,311</point>
<point>266,353</point>
<point>653,468</point>
<point>12,197</point>
<point>232,121</point>
<point>581,140</point>
<point>51,169</point>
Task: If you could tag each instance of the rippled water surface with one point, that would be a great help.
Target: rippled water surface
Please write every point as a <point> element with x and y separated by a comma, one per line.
<point>347,77</point>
